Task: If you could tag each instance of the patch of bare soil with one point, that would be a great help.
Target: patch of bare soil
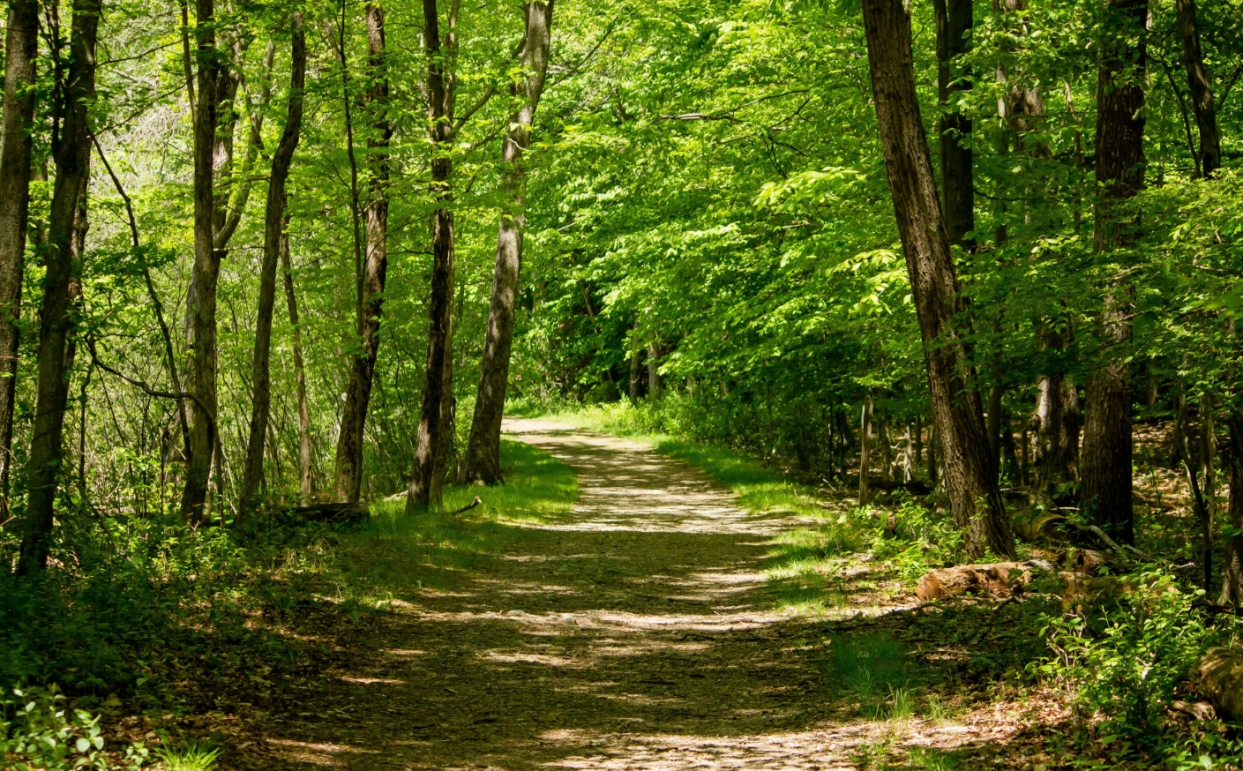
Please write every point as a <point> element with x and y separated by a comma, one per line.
<point>638,634</point>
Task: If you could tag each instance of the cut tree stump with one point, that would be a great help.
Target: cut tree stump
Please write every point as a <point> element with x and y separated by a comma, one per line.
<point>1219,676</point>
<point>999,579</point>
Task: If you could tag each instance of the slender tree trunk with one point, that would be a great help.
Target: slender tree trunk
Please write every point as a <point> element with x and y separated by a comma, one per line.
<point>1106,457</point>
<point>933,451</point>
<point>1201,91</point>
<point>654,383</point>
<point>865,452</point>
<point>427,479</point>
<point>970,473</point>
<point>72,154</point>
<point>273,220</point>
<point>305,480</point>
<point>1232,579</point>
<point>201,377</point>
<point>483,451</point>
<point>954,20</point>
<point>349,466</point>
<point>21,49</point>
<point>908,456</point>
<point>886,450</point>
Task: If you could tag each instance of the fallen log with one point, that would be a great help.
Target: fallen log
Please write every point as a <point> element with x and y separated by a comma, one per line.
<point>1001,579</point>
<point>1219,676</point>
<point>330,513</point>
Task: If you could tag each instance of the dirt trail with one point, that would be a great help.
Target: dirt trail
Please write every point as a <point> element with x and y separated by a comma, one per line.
<point>636,635</point>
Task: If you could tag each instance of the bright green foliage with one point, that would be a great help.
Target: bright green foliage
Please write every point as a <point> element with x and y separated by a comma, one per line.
<point>1125,665</point>
<point>40,732</point>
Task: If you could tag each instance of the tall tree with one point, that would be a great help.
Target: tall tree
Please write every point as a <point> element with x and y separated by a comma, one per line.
<point>305,481</point>
<point>954,21</point>
<point>201,302</point>
<point>431,442</point>
<point>273,221</point>
<point>72,154</point>
<point>349,465</point>
<point>969,469</point>
<point>483,452</point>
<point>1202,103</point>
<point>21,46</point>
<point>1105,460</point>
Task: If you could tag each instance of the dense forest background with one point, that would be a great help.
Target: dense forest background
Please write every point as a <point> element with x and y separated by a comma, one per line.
<point>269,256</point>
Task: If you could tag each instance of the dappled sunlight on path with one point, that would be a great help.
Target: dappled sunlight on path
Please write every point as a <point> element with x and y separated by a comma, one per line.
<point>639,633</point>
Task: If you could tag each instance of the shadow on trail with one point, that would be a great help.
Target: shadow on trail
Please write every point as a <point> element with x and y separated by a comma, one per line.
<point>637,633</point>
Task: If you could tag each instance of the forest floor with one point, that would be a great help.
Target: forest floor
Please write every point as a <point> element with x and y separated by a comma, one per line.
<point>645,630</point>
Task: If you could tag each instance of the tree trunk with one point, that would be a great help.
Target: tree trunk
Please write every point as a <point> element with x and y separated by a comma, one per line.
<point>886,450</point>
<point>655,385</point>
<point>349,464</point>
<point>273,221</point>
<point>305,480</point>
<point>72,154</point>
<point>21,49</point>
<point>865,452</point>
<point>1106,457</point>
<point>1232,578</point>
<point>1201,91</point>
<point>201,377</point>
<point>970,473</point>
<point>427,479</point>
<point>483,451</point>
<point>953,20</point>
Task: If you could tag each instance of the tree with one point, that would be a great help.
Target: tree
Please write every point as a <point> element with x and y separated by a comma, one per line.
<point>201,304</point>
<point>21,48</point>
<point>66,230</point>
<point>969,469</point>
<point>431,442</point>
<point>273,221</point>
<point>483,452</point>
<point>1209,157</point>
<point>1105,461</point>
<point>954,21</point>
<point>348,477</point>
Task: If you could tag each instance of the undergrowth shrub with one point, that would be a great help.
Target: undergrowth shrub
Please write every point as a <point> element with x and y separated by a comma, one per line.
<point>920,540</point>
<point>39,732</point>
<point>1123,664</point>
<point>142,598</point>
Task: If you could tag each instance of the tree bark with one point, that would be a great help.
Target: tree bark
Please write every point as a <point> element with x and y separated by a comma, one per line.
<point>349,464</point>
<point>273,221</point>
<point>1201,91</point>
<point>1105,465</point>
<point>953,19</point>
<point>72,154</point>
<point>865,452</point>
<point>431,441</point>
<point>21,49</point>
<point>483,451</point>
<point>306,482</point>
<point>1232,577</point>
<point>970,473</point>
<point>201,377</point>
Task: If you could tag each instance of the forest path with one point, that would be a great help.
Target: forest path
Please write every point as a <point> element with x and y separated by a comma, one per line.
<point>638,634</point>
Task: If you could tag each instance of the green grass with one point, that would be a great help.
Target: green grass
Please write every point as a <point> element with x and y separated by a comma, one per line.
<point>194,756</point>
<point>393,556</point>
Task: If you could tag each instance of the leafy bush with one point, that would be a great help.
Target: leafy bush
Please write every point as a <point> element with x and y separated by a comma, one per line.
<point>38,731</point>
<point>1123,665</point>
<point>920,540</point>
